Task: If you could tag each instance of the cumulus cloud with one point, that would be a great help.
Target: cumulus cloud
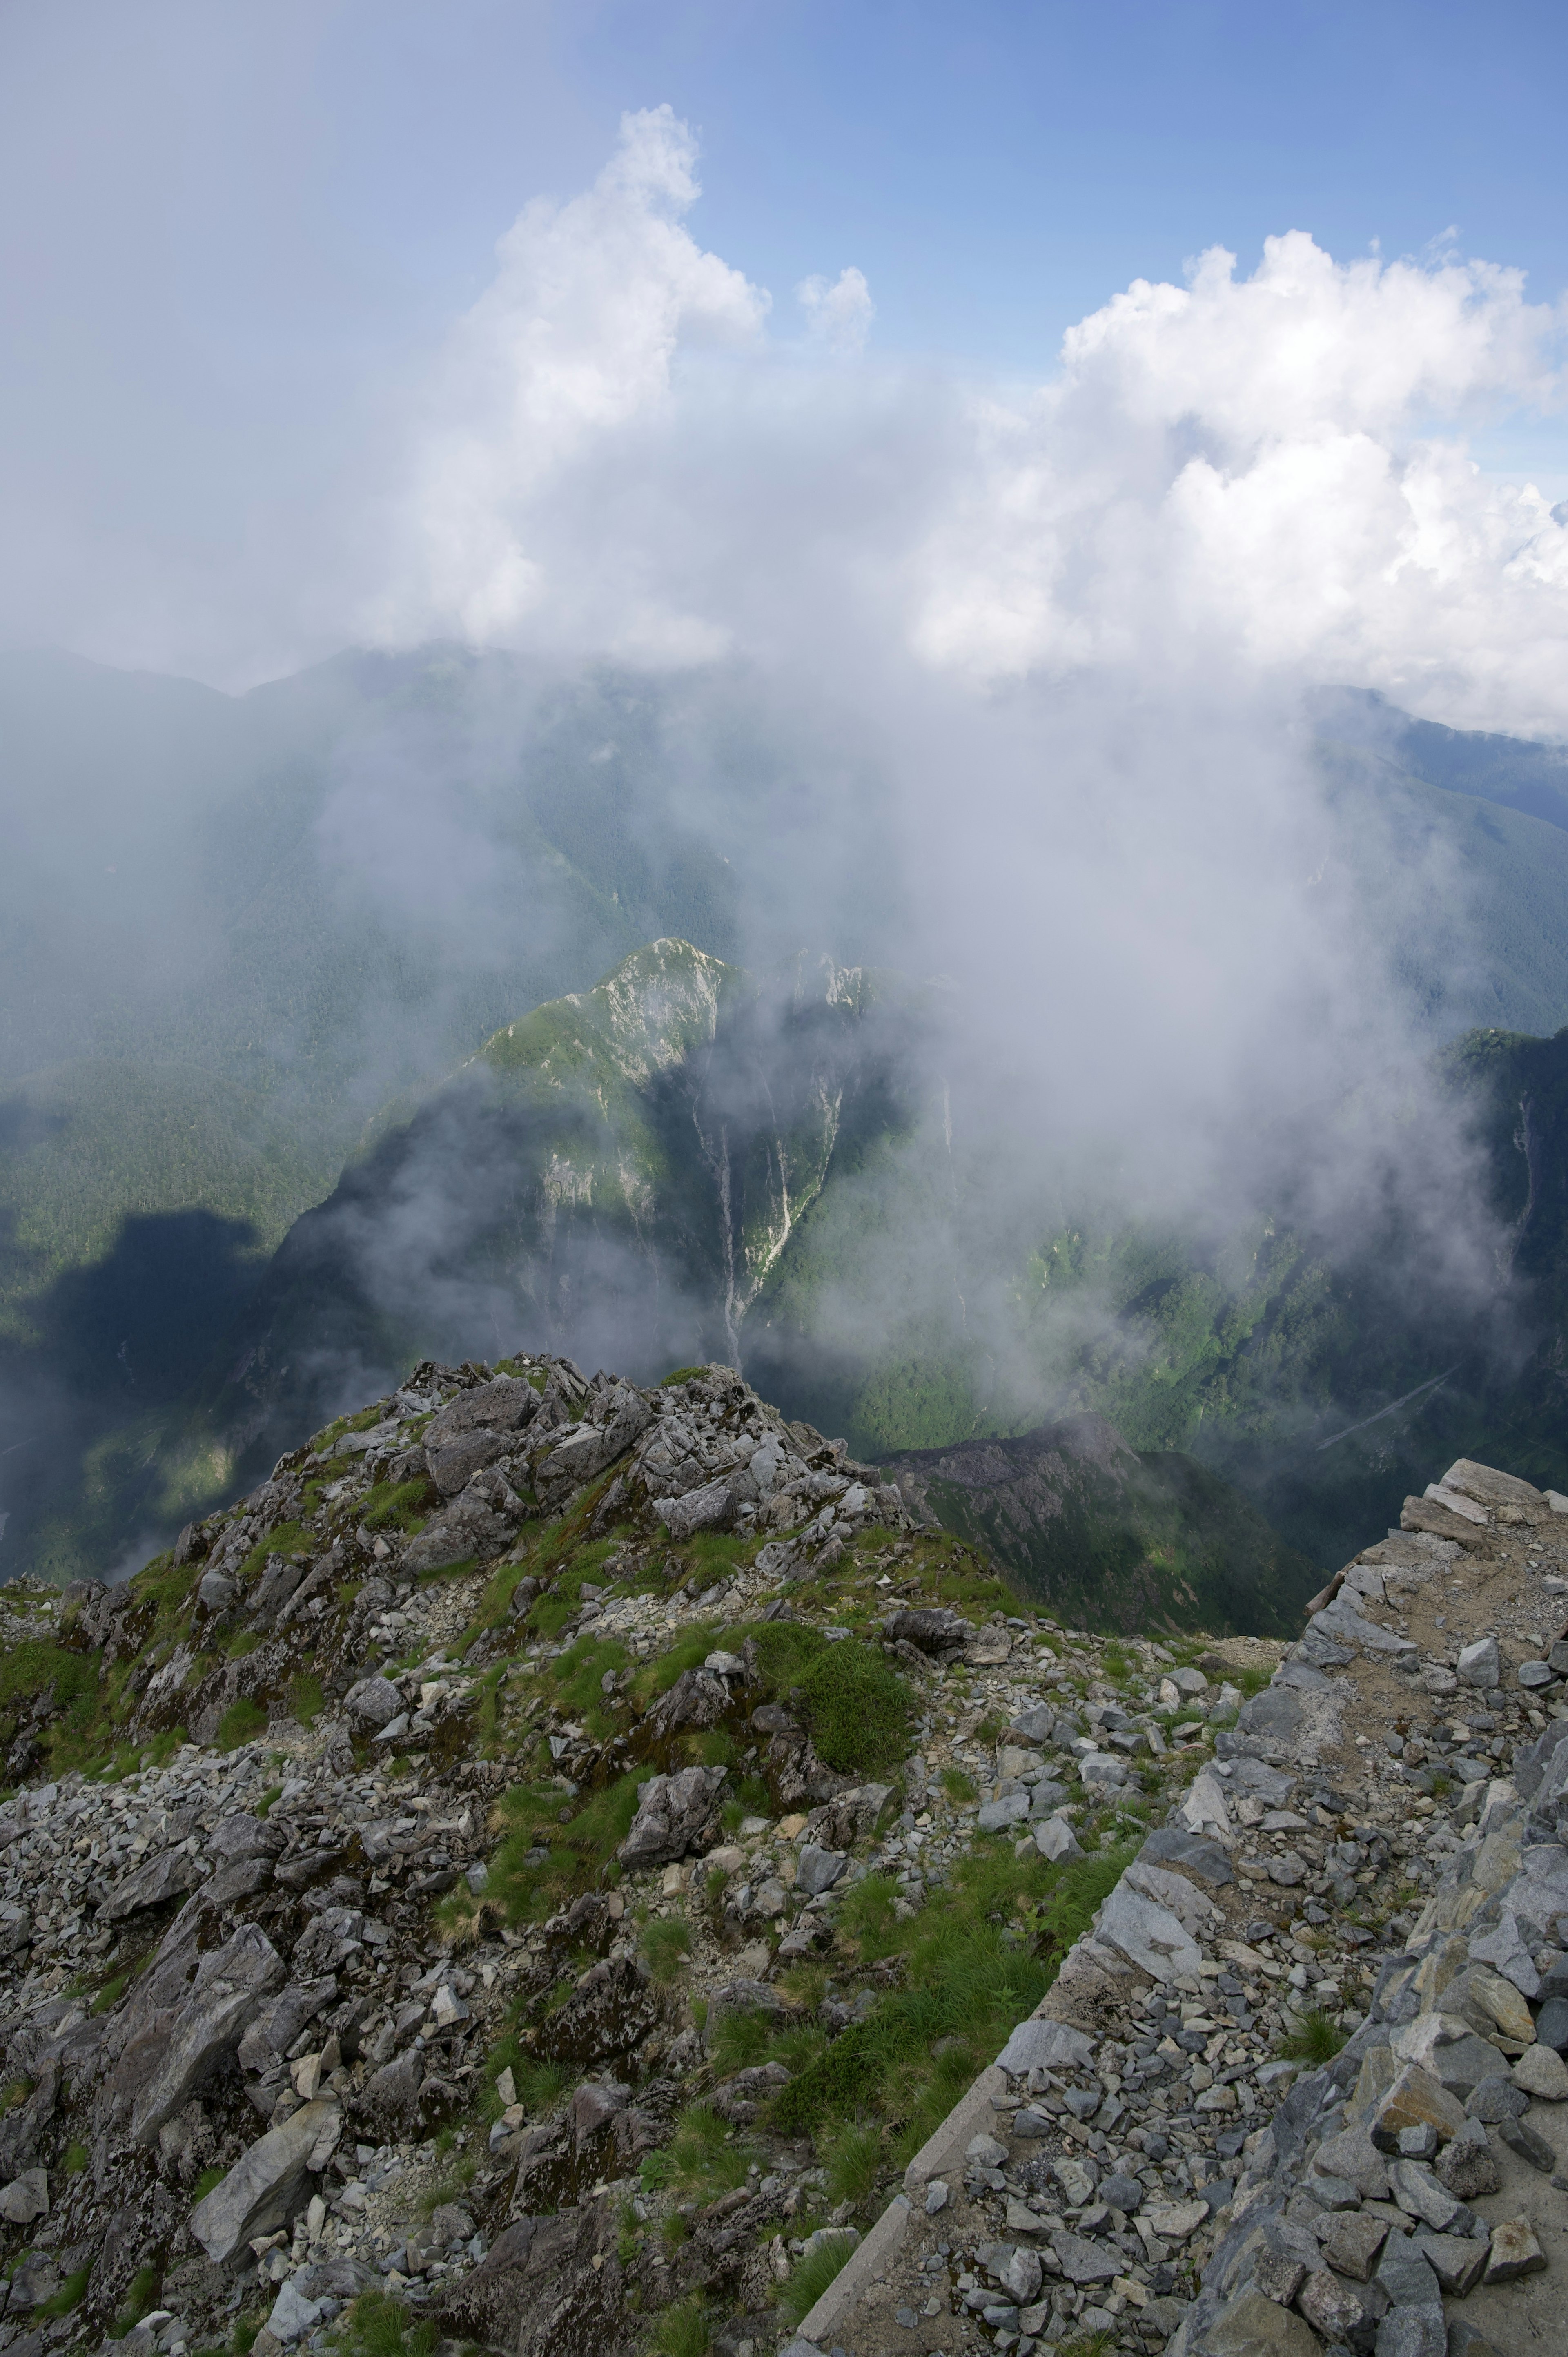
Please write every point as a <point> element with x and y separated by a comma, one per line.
<point>577,336</point>
<point>1267,470</point>
<point>839,313</point>
<point>1270,470</point>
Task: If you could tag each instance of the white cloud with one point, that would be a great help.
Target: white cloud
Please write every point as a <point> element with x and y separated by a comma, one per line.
<point>1270,471</point>
<point>839,313</point>
<point>576,337</point>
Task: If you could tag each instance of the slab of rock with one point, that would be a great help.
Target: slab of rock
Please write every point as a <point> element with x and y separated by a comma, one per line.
<point>1334,2306</point>
<point>705,1508</point>
<point>1352,2154</point>
<point>936,1628</point>
<point>167,1876</point>
<point>1085,2262</point>
<point>1466,2167</point>
<point>1046,2046</point>
<point>675,1814</point>
<point>230,1985</point>
<point>1188,1854</point>
<point>25,2198</point>
<point>1147,1934</point>
<point>1251,2325</point>
<point>1419,2195</point>
<point>996,1817</point>
<point>1506,1950</point>
<point>262,2189</point>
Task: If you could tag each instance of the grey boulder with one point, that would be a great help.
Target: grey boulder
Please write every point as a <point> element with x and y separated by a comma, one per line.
<point>372,1702</point>
<point>817,1870</point>
<point>674,1814</point>
<point>262,2189</point>
<point>167,1876</point>
<point>228,1986</point>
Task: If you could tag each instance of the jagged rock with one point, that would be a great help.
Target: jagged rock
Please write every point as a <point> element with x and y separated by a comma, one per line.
<point>539,2290</point>
<point>675,1814</point>
<point>1480,1664</point>
<point>706,1509</point>
<point>279,2022</point>
<point>228,1986</point>
<point>1541,2072</point>
<point>169,1875</point>
<point>25,2198</point>
<point>697,1698</point>
<point>293,2315</point>
<point>609,2013</point>
<point>453,1463</point>
<point>932,1628</point>
<point>1055,1839</point>
<point>263,2187</point>
<point>1514,2251</point>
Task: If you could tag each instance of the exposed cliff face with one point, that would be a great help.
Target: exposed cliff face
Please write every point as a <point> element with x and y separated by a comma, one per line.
<point>622,1168</point>
<point>1090,1527</point>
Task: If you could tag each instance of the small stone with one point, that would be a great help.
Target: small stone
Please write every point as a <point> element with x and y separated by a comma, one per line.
<point>1541,2070</point>
<point>1456,2260</point>
<point>1418,2143</point>
<point>1514,2251</point>
<point>1330,2305</point>
<point>1415,2098</point>
<point>1480,1664</point>
<point>1055,1839</point>
<point>937,2196</point>
<point>1121,2192</point>
<point>1022,2274</point>
<point>292,2315</point>
<point>1551,2024</point>
<point>996,1817</point>
<point>1536,1673</point>
<point>1496,2100</point>
<point>1521,2138</point>
<point>1467,2169</point>
<point>1083,2262</point>
<point>1278,2276</point>
<point>1352,2244</point>
<point>984,2152</point>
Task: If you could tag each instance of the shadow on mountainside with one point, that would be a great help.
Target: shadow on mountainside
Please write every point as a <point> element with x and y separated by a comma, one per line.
<point>89,1392</point>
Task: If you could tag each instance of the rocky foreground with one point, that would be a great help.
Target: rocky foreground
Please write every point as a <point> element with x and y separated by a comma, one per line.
<point>556,1867</point>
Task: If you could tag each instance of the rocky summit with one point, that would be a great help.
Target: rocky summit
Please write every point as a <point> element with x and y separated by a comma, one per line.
<point>577,1867</point>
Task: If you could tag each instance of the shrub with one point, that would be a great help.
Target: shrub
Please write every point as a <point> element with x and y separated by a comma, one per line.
<point>377,2325</point>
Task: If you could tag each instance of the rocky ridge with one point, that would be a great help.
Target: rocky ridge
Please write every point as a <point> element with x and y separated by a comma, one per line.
<point>499,1874</point>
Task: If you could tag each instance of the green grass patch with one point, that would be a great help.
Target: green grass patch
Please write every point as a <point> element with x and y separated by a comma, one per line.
<point>685,2329</point>
<point>856,1708</point>
<point>853,2162</point>
<point>666,1943</point>
<point>1316,2039</point>
<point>400,1505</point>
<point>307,1700</point>
<point>141,2294</point>
<point>207,2182</point>
<point>703,2159</point>
<point>274,1792</point>
<point>77,2157</point>
<point>578,1851</point>
<point>811,2276</point>
<point>378,2325</point>
<point>35,1667</point>
<point>957,1785</point>
<point>680,1375</point>
<point>70,2294</point>
<point>241,1723</point>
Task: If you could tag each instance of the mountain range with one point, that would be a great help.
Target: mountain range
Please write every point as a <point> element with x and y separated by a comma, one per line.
<point>306,1081</point>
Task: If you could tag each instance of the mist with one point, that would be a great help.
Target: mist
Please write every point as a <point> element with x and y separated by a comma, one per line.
<point>675,608</point>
